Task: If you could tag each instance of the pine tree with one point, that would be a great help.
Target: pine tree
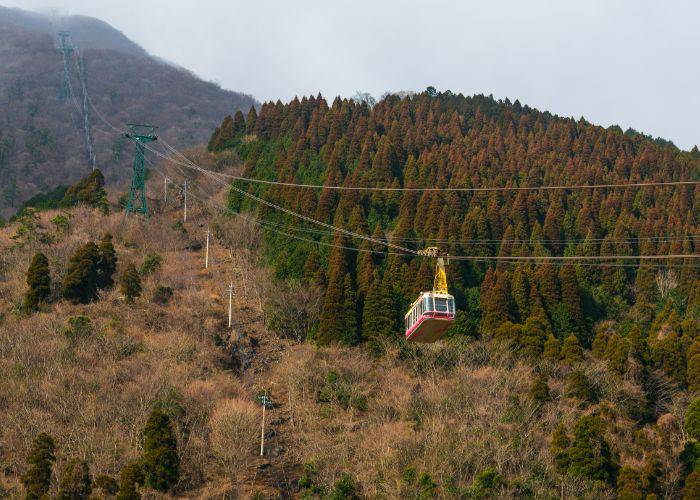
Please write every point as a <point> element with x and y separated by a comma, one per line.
<point>590,454</point>
<point>539,391</point>
<point>76,483</point>
<point>570,295</point>
<point>552,348</point>
<point>693,373</point>
<point>130,283</point>
<point>378,320</point>
<point>130,478</point>
<point>107,264</point>
<point>161,464</point>
<point>351,333</point>
<point>571,351</point>
<point>559,448</point>
<point>251,120</point>
<point>80,282</point>
<point>692,420</point>
<point>39,282</point>
<point>333,321</point>
<point>37,480</point>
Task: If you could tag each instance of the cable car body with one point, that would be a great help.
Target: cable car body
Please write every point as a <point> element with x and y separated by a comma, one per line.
<point>429,317</point>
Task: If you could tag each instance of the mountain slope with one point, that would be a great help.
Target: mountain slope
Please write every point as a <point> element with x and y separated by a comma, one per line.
<point>41,137</point>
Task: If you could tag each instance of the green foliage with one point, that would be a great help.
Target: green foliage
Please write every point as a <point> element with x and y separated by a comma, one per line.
<point>61,222</point>
<point>107,265</point>
<point>468,321</point>
<point>579,386</point>
<point>151,263</point>
<point>559,448</point>
<point>308,486</point>
<point>571,351</point>
<point>161,464</point>
<point>107,484</point>
<point>590,455</point>
<point>130,478</point>
<point>37,480</point>
<point>486,484</point>
<point>76,482</point>
<point>130,283</point>
<point>552,348</point>
<point>45,201</point>
<point>162,294</point>
<point>88,190</point>
<point>79,327</point>
<point>691,489</point>
<point>539,391</point>
<point>39,283</point>
<point>80,282</point>
<point>344,488</point>
<point>692,420</point>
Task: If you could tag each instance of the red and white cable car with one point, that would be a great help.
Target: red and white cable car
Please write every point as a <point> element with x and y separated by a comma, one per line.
<point>433,312</point>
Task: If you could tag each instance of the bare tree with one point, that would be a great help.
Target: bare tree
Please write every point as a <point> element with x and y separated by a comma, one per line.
<point>666,281</point>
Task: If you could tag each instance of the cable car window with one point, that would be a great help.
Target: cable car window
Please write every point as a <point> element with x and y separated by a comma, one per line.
<point>440,304</point>
<point>451,305</point>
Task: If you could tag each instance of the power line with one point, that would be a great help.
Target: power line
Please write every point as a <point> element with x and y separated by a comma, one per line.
<point>451,189</point>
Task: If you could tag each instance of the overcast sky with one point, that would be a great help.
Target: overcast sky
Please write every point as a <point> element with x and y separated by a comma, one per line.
<point>635,63</point>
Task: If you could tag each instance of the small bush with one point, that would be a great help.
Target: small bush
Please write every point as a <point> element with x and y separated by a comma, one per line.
<point>162,294</point>
<point>234,432</point>
<point>151,263</point>
<point>579,386</point>
<point>79,327</point>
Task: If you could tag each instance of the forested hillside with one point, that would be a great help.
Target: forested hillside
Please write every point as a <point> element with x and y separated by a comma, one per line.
<point>641,317</point>
<point>42,142</point>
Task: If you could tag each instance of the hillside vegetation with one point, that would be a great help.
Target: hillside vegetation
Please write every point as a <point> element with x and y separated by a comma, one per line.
<point>568,381</point>
<point>42,141</point>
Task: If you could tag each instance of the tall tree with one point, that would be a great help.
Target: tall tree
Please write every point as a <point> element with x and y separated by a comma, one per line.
<point>80,282</point>
<point>161,464</point>
<point>107,265</point>
<point>76,482</point>
<point>39,282</point>
<point>37,480</point>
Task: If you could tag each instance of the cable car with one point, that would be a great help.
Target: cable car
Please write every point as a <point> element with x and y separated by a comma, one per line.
<point>433,312</point>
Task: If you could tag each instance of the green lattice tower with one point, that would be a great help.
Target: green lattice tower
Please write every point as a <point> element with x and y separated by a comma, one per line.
<point>66,48</point>
<point>140,134</point>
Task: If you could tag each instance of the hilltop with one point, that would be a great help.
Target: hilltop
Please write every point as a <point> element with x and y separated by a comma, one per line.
<point>41,137</point>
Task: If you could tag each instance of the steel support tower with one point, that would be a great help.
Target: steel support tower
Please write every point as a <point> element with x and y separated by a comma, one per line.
<point>141,135</point>
<point>66,48</point>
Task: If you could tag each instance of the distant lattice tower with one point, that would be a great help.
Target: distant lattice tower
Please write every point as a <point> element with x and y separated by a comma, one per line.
<point>66,48</point>
<point>141,135</point>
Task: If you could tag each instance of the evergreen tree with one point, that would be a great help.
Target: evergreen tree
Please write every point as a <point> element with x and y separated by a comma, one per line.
<point>37,480</point>
<point>552,348</point>
<point>130,283</point>
<point>107,264</point>
<point>76,483</point>
<point>691,489</point>
<point>80,282</point>
<point>559,448</point>
<point>571,351</point>
<point>161,464</point>
<point>377,317</point>
<point>590,455</point>
<point>351,334</point>
<point>130,478</point>
<point>539,391</point>
<point>108,485</point>
<point>39,282</point>
<point>692,420</point>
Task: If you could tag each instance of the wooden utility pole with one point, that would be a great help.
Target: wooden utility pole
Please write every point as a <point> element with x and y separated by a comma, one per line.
<point>230,303</point>
<point>165,190</point>
<point>206,252</point>
<point>264,400</point>
<point>184,214</point>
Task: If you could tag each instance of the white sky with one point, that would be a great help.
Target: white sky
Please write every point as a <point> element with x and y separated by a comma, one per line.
<point>635,63</point>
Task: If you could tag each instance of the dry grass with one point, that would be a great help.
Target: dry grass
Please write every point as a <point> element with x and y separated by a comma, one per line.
<point>450,410</point>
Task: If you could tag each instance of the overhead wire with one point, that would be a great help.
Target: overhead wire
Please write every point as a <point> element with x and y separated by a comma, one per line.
<point>406,251</point>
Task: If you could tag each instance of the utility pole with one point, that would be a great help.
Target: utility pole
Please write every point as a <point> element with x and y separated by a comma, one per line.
<point>230,303</point>
<point>165,190</point>
<point>206,253</point>
<point>140,134</point>
<point>264,400</point>
<point>184,214</point>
